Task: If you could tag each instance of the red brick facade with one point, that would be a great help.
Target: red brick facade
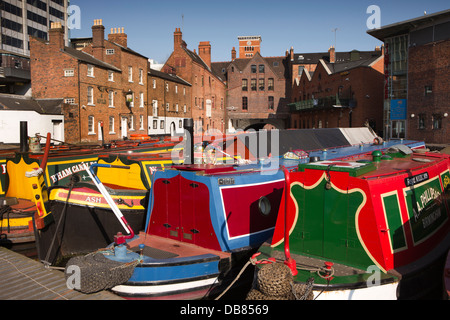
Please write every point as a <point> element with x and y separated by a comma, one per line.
<point>95,84</point>
<point>359,89</point>
<point>208,92</point>
<point>428,92</point>
<point>257,92</point>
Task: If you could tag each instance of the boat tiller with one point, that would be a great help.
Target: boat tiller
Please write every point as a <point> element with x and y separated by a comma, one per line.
<point>119,239</point>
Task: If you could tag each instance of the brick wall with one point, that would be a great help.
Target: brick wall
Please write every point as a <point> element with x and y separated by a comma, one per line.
<point>429,67</point>
<point>205,86</point>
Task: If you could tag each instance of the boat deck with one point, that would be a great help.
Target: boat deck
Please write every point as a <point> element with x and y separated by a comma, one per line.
<point>25,279</point>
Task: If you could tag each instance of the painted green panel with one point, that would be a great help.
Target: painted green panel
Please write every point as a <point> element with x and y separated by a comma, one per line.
<point>335,227</point>
<point>394,219</point>
<point>425,208</point>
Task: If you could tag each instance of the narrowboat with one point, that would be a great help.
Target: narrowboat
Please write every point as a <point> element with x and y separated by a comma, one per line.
<point>368,226</point>
<point>204,222</point>
<point>58,164</point>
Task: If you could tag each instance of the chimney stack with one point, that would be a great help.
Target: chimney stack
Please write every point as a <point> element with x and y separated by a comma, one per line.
<point>177,39</point>
<point>119,37</point>
<point>332,52</point>
<point>204,51</point>
<point>56,35</point>
<point>98,39</point>
<point>292,53</point>
<point>233,54</point>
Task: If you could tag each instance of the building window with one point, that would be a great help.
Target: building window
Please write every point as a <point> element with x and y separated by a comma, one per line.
<point>141,99</point>
<point>90,95</point>
<point>141,76</point>
<point>111,98</point>
<point>271,103</point>
<point>111,125</point>
<point>244,85</point>
<point>428,90</point>
<point>184,91</point>
<point>176,107</point>
<point>91,128</point>
<point>110,52</point>
<point>270,86</point>
<point>90,71</point>
<point>176,89</point>
<point>180,124</point>
<point>69,100</point>
<point>437,121</point>
<point>422,121</point>
<point>155,124</point>
<point>111,76</point>
<point>141,122</point>
<point>155,108</point>
<point>253,84</point>
<point>130,74</point>
<point>167,87</point>
<point>162,125</point>
<point>185,109</point>
<point>167,107</point>
<point>253,68</point>
<point>261,68</point>
<point>154,83</point>
<point>69,72</point>
<point>244,103</point>
<point>261,84</point>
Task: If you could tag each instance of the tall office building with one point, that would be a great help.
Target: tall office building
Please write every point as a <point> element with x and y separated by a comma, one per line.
<point>23,18</point>
<point>20,19</point>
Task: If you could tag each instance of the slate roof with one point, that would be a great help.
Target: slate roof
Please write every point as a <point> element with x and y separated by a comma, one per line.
<point>313,58</point>
<point>347,65</point>
<point>22,103</point>
<point>85,57</point>
<point>220,68</point>
<point>170,77</point>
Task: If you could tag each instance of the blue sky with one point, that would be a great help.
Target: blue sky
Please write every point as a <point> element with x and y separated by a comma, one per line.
<point>305,25</point>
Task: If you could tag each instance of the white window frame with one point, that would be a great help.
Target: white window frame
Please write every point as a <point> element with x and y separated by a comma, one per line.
<point>111,76</point>
<point>90,96</point>
<point>90,71</point>
<point>110,52</point>
<point>141,121</point>
<point>112,125</point>
<point>91,125</point>
<point>130,74</point>
<point>111,99</point>
<point>141,100</point>
<point>69,73</point>
<point>141,76</point>
<point>69,100</point>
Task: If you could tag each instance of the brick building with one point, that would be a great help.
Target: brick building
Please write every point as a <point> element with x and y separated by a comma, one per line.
<point>104,84</point>
<point>256,96</point>
<point>169,99</point>
<point>339,94</point>
<point>208,91</point>
<point>417,73</point>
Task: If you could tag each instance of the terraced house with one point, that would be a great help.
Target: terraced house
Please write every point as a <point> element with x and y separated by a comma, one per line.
<point>104,85</point>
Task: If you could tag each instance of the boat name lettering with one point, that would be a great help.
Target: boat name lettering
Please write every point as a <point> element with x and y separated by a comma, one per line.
<point>3,168</point>
<point>428,220</point>
<point>226,181</point>
<point>417,179</point>
<point>428,196</point>
<point>69,171</point>
<point>94,199</point>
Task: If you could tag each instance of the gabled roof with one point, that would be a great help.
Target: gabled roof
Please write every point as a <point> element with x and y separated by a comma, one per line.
<point>22,103</point>
<point>348,65</point>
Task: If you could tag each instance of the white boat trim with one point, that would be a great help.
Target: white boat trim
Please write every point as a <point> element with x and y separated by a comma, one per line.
<point>380,292</point>
<point>162,289</point>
